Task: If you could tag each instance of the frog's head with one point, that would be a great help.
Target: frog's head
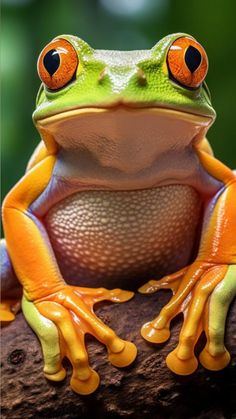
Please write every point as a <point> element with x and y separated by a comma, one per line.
<point>157,95</point>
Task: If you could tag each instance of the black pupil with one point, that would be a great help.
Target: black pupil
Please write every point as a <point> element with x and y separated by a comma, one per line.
<point>51,61</point>
<point>192,58</point>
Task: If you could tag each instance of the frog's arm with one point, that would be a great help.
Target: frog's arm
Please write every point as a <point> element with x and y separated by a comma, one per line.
<point>205,146</point>
<point>68,307</point>
<point>204,290</point>
<point>21,227</point>
<point>220,247</point>
<point>46,147</point>
<point>10,287</point>
<point>39,154</point>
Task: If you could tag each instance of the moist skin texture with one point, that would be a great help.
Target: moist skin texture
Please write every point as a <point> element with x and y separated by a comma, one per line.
<point>106,238</point>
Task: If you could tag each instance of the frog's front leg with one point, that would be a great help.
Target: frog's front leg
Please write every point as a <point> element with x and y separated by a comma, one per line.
<point>204,290</point>
<point>60,314</point>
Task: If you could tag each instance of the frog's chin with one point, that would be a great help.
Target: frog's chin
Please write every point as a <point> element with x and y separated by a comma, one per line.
<point>124,138</point>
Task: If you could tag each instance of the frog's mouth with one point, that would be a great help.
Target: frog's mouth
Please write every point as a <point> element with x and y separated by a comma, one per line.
<point>122,138</point>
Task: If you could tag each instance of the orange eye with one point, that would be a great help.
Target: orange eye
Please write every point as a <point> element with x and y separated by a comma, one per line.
<point>57,64</point>
<point>187,62</point>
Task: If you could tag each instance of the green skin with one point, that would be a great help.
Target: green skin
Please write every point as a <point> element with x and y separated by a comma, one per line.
<point>106,79</point>
<point>120,83</point>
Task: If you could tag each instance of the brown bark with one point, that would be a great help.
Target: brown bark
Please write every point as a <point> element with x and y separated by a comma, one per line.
<point>147,389</point>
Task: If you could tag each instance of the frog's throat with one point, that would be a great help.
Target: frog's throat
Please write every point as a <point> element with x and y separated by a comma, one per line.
<point>128,139</point>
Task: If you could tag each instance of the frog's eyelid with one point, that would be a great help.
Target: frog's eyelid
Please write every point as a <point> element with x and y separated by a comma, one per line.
<point>61,89</point>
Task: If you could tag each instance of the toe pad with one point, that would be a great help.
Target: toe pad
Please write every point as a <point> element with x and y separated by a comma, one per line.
<point>124,357</point>
<point>214,363</point>
<point>58,376</point>
<point>85,387</point>
<point>153,335</point>
<point>181,366</point>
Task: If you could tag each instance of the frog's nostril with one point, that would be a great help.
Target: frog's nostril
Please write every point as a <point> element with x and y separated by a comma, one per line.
<point>142,79</point>
<point>102,75</point>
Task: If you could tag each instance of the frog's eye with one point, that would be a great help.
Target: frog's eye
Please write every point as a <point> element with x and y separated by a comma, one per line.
<point>57,64</point>
<point>187,62</point>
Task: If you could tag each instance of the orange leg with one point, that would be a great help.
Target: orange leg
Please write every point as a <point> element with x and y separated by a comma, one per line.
<point>48,300</point>
<point>210,281</point>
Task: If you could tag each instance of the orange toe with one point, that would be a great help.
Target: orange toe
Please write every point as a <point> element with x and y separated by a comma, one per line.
<point>151,334</point>
<point>181,366</point>
<point>6,316</point>
<point>125,357</point>
<point>85,387</point>
<point>120,296</point>
<point>214,363</point>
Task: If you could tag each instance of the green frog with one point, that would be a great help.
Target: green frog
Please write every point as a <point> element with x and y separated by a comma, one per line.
<point>123,188</point>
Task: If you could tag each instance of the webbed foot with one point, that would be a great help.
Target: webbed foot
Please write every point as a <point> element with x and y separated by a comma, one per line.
<point>61,321</point>
<point>203,293</point>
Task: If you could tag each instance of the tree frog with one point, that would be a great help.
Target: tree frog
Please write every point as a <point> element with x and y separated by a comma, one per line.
<point>123,188</point>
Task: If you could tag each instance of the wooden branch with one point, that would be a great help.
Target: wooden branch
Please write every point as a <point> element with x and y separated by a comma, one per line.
<point>147,389</point>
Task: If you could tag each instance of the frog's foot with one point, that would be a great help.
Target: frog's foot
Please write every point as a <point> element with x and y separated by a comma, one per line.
<point>8,310</point>
<point>195,289</point>
<point>169,281</point>
<point>71,311</point>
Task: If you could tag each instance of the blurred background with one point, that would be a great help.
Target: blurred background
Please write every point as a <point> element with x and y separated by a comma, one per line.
<point>28,25</point>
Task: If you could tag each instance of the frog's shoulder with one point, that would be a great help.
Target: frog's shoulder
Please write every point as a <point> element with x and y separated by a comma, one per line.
<point>39,154</point>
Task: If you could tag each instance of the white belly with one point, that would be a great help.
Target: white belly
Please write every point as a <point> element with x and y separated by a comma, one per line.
<point>121,238</point>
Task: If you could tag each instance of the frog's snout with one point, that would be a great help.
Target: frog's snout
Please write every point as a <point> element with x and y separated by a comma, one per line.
<point>120,83</point>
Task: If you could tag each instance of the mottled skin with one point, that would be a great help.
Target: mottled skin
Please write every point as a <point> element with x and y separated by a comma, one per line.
<point>123,187</point>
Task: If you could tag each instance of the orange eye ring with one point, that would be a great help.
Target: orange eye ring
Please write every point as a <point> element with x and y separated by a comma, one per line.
<point>57,64</point>
<point>187,62</point>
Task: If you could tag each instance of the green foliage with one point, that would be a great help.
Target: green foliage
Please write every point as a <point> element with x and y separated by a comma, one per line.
<point>29,25</point>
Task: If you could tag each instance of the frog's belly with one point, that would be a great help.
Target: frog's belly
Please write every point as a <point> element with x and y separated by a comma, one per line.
<point>121,238</point>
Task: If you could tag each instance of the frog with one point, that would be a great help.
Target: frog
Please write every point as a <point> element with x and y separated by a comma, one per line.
<point>122,193</point>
